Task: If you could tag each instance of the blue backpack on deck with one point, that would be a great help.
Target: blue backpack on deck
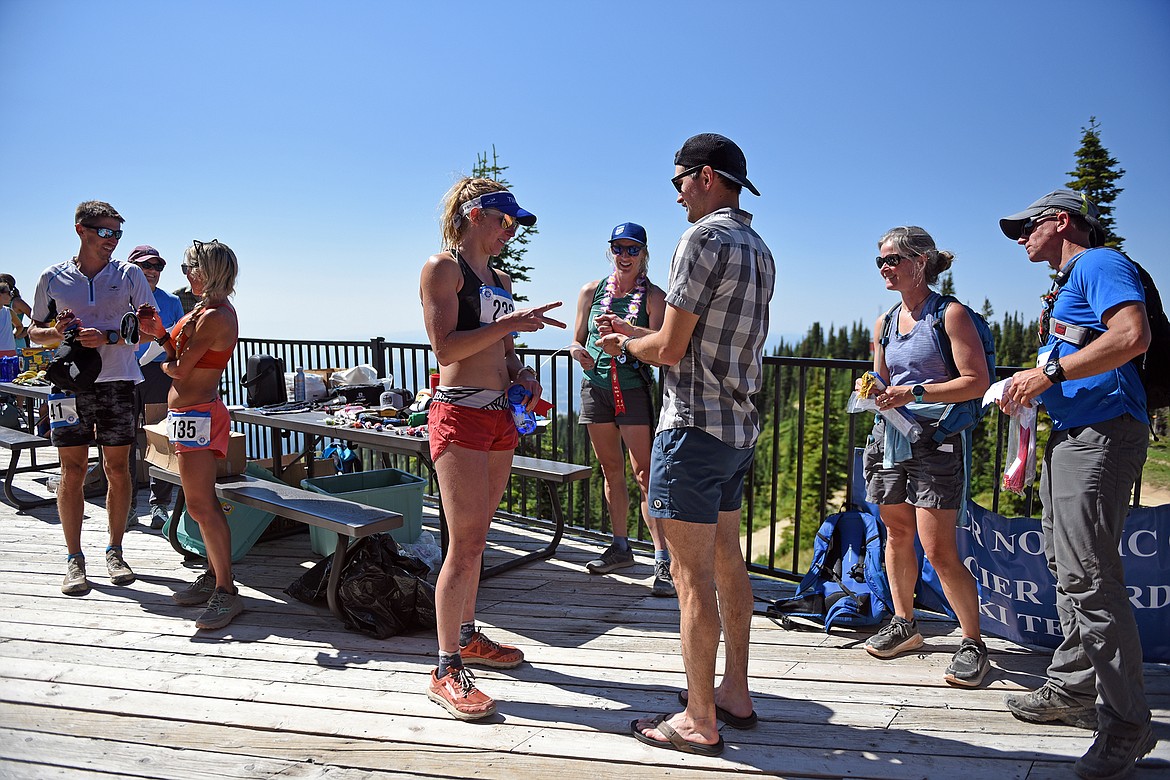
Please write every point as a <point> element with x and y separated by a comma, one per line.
<point>846,584</point>
<point>966,414</point>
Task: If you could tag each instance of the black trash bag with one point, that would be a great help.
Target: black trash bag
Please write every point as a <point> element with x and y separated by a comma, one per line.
<point>76,366</point>
<point>382,592</point>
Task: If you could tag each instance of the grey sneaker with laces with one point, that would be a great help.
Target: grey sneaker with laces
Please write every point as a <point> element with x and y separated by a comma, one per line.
<point>222,607</point>
<point>1113,756</point>
<point>1047,704</point>
<point>120,573</point>
<point>198,592</point>
<point>75,582</point>
<point>158,517</point>
<point>663,582</point>
<point>612,559</point>
<point>898,636</point>
<point>969,665</point>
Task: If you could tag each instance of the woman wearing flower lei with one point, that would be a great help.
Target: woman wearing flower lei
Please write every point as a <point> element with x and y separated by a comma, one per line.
<point>616,396</point>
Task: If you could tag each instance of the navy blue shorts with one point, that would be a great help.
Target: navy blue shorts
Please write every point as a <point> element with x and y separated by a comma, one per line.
<point>694,476</point>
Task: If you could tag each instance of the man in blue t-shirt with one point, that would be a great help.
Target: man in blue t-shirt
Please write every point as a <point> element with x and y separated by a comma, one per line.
<point>1094,325</point>
<point>155,384</point>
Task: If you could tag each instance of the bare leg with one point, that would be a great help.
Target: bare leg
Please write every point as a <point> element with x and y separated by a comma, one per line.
<point>607,446</point>
<point>901,557</point>
<point>116,463</point>
<point>197,471</point>
<point>638,442</point>
<point>70,498</point>
<point>936,529</point>
<point>735,609</point>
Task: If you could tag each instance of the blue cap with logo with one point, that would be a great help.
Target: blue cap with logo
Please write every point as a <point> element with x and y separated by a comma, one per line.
<point>630,230</point>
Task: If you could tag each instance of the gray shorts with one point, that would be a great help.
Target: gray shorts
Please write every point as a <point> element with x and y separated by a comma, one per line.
<point>931,478</point>
<point>107,415</point>
<point>597,405</point>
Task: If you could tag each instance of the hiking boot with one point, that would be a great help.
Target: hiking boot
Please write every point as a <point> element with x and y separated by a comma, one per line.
<point>612,559</point>
<point>1047,704</point>
<point>663,582</point>
<point>898,636</point>
<point>456,693</point>
<point>1112,756</point>
<point>158,517</point>
<point>484,652</point>
<point>198,592</point>
<point>120,573</point>
<point>222,607</point>
<point>969,664</point>
<point>75,582</point>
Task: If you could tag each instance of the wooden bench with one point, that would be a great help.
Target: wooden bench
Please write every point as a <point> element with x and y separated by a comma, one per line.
<point>17,442</point>
<point>347,519</point>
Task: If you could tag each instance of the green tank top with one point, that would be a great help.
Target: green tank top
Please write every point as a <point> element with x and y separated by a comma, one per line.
<point>631,374</point>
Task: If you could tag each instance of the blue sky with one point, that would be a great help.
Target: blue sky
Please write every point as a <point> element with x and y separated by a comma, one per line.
<point>317,139</point>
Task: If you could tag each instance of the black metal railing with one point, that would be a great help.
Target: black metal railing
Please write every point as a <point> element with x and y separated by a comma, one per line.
<point>804,465</point>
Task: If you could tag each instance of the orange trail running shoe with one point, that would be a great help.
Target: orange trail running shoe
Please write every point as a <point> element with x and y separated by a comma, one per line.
<point>456,692</point>
<point>482,651</point>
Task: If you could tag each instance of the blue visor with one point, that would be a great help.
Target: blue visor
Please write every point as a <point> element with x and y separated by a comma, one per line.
<point>501,201</point>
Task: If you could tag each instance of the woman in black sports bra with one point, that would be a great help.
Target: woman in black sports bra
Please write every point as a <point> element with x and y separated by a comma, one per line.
<point>470,318</point>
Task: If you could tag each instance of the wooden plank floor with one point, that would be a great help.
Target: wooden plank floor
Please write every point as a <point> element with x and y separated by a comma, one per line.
<point>119,683</point>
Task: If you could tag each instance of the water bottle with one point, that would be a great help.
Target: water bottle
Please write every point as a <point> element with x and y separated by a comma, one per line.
<point>299,385</point>
<point>525,419</point>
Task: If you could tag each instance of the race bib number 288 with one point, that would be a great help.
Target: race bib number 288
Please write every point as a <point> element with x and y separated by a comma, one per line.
<point>191,429</point>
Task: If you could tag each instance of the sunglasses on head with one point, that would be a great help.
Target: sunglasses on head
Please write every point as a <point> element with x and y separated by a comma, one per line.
<point>891,260</point>
<point>152,266</point>
<point>632,251</point>
<point>104,232</point>
<point>678,180</point>
<point>1030,225</point>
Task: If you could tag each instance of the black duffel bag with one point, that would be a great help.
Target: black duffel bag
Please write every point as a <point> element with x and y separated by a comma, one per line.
<point>264,381</point>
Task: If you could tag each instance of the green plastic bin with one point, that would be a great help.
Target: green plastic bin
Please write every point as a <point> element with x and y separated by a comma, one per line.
<point>246,523</point>
<point>392,489</point>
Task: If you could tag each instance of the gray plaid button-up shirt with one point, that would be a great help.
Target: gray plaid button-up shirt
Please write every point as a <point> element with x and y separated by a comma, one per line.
<point>724,272</point>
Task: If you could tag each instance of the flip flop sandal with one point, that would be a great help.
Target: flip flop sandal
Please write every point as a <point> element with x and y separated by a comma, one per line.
<point>129,328</point>
<point>677,742</point>
<point>735,721</point>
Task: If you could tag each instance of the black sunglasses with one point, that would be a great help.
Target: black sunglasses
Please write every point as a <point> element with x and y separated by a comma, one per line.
<point>678,180</point>
<point>1030,225</point>
<point>104,232</point>
<point>891,260</point>
<point>150,265</point>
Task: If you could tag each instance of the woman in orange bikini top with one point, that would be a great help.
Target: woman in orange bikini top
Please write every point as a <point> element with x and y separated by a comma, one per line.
<point>198,424</point>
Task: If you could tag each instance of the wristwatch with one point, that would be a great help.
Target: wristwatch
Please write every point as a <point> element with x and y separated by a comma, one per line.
<point>919,391</point>
<point>625,353</point>
<point>163,339</point>
<point>1054,371</point>
<point>112,336</point>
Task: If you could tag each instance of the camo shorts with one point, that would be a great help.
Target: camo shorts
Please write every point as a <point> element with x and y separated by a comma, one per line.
<point>107,415</point>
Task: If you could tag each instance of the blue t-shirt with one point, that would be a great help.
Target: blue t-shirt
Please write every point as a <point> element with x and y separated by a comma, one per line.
<point>170,311</point>
<point>1101,279</point>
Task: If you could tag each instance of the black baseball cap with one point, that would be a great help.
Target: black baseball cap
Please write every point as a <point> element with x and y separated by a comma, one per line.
<point>718,151</point>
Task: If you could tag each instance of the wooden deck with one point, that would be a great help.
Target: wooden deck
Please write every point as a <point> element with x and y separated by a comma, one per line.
<point>118,683</point>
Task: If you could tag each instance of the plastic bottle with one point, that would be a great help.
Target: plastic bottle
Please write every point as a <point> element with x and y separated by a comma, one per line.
<point>299,385</point>
<point>525,419</point>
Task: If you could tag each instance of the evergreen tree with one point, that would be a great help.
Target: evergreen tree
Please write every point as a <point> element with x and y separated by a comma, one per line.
<point>1095,175</point>
<point>511,260</point>
<point>947,284</point>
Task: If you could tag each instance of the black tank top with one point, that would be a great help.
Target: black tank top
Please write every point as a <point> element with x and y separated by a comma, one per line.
<point>469,295</point>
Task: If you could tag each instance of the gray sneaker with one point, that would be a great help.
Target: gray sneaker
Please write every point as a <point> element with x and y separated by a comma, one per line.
<point>131,518</point>
<point>611,560</point>
<point>198,592</point>
<point>220,610</point>
<point>969,664</point>
<point>1112,756</point>
<point>663,582</point>
<point>158,517</point>
<point>1047,704</point>
<point>75,582</point>
<point>120,573</point>
<point>898,636</point>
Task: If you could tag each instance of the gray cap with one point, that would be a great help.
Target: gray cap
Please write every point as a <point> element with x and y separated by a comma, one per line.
<point>1065,200</point>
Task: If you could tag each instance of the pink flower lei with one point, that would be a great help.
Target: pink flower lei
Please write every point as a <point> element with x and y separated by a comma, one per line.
<point>635,299</point>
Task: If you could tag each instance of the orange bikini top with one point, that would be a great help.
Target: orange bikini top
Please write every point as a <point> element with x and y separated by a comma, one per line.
<point>212,358</point>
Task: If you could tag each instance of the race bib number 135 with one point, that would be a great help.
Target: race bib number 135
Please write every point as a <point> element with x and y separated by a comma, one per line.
<point>191,429</point>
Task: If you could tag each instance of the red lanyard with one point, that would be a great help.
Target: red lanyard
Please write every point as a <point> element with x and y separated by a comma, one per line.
<point>619,403</point>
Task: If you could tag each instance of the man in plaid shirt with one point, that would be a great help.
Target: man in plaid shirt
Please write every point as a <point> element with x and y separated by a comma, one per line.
<point>711,343</point>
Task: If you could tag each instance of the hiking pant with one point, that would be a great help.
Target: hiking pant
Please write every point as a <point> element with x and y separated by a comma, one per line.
<point>1089,473</point>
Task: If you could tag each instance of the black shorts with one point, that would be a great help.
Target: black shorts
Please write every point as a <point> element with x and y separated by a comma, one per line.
<point>107,415</point>
<point>597,405</point>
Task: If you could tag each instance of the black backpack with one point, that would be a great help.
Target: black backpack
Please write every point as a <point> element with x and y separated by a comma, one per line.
<point>264,381</point>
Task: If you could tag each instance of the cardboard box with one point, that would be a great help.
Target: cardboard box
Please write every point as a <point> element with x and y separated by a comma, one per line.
<point>160,452</point>
<point>294,472</point>
<point>153,413</point>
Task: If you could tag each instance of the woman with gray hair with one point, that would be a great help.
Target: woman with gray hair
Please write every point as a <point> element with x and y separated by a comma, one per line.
<point>921,485</point>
